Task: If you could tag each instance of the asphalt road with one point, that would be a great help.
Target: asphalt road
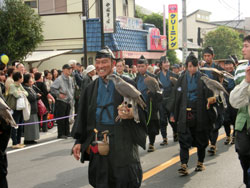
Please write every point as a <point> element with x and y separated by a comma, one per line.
<point>50,165</point>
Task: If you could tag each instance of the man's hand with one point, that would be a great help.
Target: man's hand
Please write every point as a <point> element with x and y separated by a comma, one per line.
<point>62,96</point>
<point>221,79</point>
<point>171,119</point>
<point>247,78</point>
<point>124,112</point>
<point>76,151</point>
<point>210,100</point>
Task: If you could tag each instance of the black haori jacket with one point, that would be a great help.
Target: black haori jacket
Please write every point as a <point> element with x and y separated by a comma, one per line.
<point>127,133</point>
<point>205,118</point>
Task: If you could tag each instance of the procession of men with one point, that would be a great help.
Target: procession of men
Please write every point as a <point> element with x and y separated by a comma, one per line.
<point>120,107</point>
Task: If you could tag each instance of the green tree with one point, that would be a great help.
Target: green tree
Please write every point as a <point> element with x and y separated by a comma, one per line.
<point>138,12</point>
<point>20,29</point>
<point>225,42</point>
<point>172,57</point>
<point>157,20</point>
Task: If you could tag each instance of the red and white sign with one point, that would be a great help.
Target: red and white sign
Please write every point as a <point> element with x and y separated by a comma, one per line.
<point>155,41</point>
<point>137,55</point>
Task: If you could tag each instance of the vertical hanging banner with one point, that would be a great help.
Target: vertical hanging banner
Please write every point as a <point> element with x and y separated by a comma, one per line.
<point>172,27</point>
<point>108,16</point>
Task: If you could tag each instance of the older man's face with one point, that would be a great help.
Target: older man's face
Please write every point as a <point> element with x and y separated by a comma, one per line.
<point>104,67</point>
<point>21,68</point>
<point>119,67</point>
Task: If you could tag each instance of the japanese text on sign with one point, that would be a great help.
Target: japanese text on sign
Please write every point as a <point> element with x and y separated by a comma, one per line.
<point>108,16</point>
<point>173,27</point>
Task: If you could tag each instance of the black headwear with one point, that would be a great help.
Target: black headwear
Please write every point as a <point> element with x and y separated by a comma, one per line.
<point>176,66</point>
<point>193,59</point>
<point>105,53</point>
<point>208,50</point>
<point>163,59</point>
<point>234,58</point>
<point>66,66</point>
<point>142,60</point>
<point>230,61</point>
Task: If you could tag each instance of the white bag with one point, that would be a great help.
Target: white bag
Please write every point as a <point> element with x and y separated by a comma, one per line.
<point>26,110</point>
<point>20,104</point>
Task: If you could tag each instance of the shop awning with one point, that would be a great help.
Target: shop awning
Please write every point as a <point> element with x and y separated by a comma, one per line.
<point>39,56</point>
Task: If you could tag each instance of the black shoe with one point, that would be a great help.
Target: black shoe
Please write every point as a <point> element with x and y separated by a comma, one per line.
<point>183,171</point>
<point>164,142</point>
<point>212,150</point>
<point>232,140</point>
<point>200,167</point>
<point>151,148</point>
<point>30,142</point>
<point>228,140</point>
<point>176,138</point>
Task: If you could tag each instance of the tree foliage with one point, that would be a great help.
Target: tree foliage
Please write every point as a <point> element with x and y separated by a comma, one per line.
<point>20,29</point>
<point>157,20</point>
<point>225,42</point>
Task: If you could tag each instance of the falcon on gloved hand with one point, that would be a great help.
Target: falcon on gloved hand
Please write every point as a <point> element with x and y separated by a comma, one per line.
<point>216,88</point>
<point>131,95</point>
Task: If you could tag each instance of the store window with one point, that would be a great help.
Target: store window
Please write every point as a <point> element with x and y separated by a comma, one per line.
<point>125,7</point>
<point>52,6</point>
<point>31,4</point>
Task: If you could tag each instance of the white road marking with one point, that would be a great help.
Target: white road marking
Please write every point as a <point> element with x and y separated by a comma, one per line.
<point>34,146</point>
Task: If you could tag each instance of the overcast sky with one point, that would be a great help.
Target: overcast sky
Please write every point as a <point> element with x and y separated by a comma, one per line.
<point>220,9</point>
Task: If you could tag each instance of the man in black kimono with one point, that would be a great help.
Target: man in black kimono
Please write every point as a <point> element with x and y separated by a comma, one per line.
<point>4,139</point>
<point>98,110</point>
<point>166,78</point>
<point>152,100</point>
<point>191,114</point>
<point>208,55</point>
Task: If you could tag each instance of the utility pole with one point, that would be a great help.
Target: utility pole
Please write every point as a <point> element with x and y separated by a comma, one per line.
<point>164,23</point>
<point>84,18</point>
<point>239,9</point>
<point>184,31</point>
<point>102,30</point>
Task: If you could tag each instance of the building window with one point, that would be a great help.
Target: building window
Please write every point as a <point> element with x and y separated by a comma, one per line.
<point>31,4</point>
<point>125,7</point>
<point>190,40</point>
<point>52,6</point>
<point>98,10</point>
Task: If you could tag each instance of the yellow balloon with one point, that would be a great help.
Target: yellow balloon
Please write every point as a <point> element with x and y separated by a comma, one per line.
<point>5,59</point>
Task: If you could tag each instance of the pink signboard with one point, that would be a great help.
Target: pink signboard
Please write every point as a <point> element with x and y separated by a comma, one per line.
<point>172,8</point>
<point>155,41</point>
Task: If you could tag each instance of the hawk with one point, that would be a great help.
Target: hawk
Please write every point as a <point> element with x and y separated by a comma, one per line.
<point>216,88</point>
<point>6,115</point>
<point>152,84</point>
<point>173,80</point>
<point>130,93</point>
<point>220,73</point>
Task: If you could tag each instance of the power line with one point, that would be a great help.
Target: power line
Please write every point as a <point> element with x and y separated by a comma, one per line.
<point>229,6</point>
<point>225,24</point>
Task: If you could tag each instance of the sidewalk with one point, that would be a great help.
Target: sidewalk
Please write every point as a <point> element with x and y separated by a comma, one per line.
<point>51,134</point>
